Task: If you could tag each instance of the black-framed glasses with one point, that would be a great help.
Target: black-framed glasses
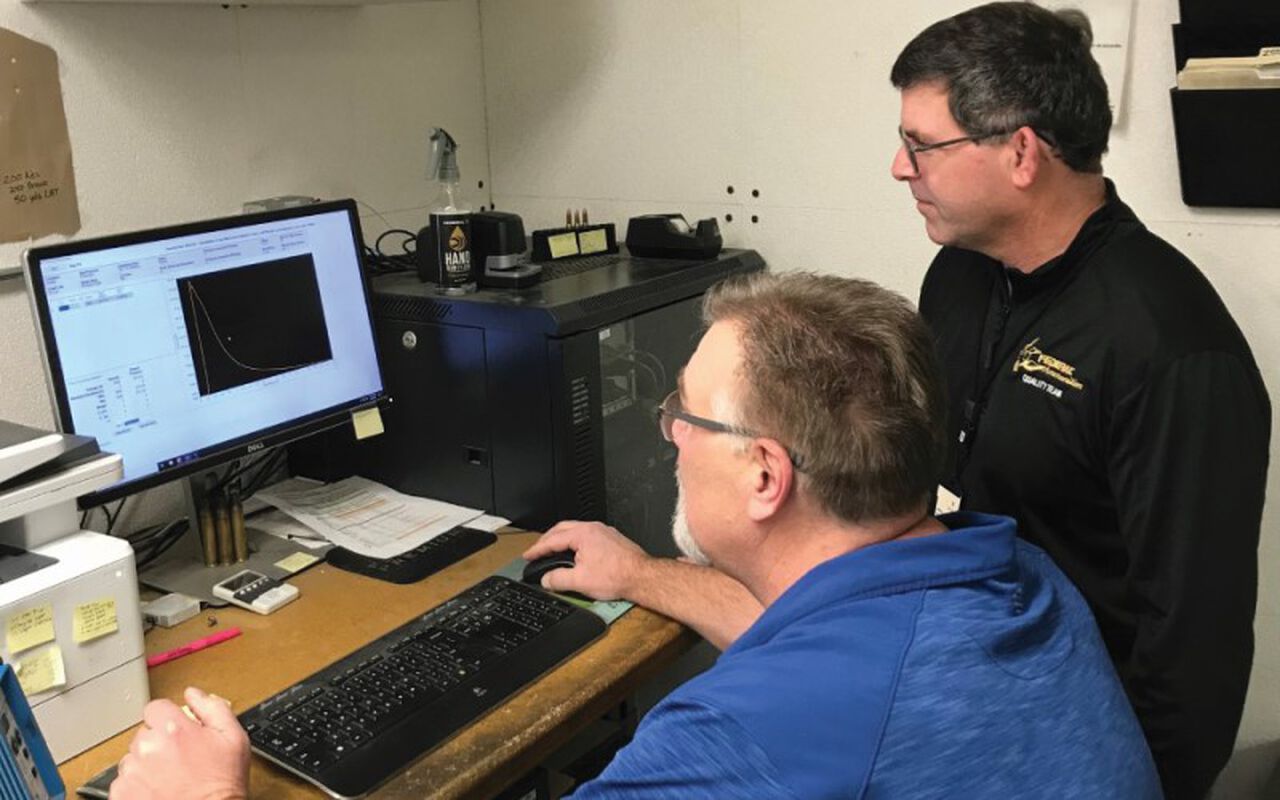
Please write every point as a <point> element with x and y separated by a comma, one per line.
<point>669,410</point>
<point>913,148</point>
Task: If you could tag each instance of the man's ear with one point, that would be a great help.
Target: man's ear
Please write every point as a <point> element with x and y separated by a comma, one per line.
<point>771,479</point>
<point>1026,155</point>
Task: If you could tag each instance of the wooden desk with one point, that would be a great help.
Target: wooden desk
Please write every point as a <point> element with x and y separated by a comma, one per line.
<point>338,612</point>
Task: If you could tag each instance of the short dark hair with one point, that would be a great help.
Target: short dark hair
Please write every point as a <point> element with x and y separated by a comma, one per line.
<point>844,373</point>
<point>1006,65</point>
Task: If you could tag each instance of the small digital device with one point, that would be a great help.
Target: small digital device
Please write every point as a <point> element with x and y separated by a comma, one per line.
<point>255,591</point>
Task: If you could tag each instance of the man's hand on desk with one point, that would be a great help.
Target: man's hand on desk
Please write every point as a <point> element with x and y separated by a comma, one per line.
<point>606,563</point>
<point>173,755</point>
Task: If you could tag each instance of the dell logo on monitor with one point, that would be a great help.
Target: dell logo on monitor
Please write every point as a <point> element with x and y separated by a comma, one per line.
<point>255,447</point>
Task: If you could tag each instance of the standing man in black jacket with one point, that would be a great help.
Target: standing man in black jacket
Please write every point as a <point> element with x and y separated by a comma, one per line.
<point>1100,392</point>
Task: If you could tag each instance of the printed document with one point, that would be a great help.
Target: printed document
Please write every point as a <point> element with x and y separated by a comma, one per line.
<point>364,516</point>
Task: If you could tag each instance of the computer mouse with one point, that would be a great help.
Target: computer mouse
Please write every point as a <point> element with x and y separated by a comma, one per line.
<point>535,569</point>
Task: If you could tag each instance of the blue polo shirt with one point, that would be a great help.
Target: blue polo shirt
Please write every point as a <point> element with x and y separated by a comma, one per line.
<point>957,665</point>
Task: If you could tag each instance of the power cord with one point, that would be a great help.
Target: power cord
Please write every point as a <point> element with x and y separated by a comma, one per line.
<point>269,466</point>
<point>379,261</point>
<point>111,516</point>
<point>153,542</point>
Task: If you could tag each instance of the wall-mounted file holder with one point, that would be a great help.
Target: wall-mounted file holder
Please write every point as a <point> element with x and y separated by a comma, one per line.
<point>1227,138</point>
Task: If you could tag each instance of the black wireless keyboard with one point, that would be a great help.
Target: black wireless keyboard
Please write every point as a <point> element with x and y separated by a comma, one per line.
<point>365,717</point>
<point>413,565</point>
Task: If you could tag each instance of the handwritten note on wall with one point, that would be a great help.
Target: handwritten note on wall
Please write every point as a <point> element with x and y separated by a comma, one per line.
<point>37,182</point>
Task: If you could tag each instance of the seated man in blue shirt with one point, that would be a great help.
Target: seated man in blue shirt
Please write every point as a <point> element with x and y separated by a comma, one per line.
<point>898,655</point>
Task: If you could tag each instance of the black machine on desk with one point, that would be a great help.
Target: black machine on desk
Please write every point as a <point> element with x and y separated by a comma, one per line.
<point>535,404</point>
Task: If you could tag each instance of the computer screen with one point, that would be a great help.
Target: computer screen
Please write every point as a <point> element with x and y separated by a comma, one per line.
<point>184,347</point>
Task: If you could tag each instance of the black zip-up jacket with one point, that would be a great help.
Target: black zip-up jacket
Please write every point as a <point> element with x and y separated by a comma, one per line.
<point>1110,404</point>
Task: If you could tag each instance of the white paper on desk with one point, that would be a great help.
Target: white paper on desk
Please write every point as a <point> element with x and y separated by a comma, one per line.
<point>279,524</point>
<point>364,516</point>
<point>488,522</point>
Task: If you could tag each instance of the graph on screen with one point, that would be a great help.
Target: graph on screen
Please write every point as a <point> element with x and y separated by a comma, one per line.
<point>254,322</point>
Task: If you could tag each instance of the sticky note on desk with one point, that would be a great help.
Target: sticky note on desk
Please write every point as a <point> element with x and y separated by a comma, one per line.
<point>368,422</point>
<point>29,629</point>
<point>94,620</point>
<point>42,671</point>
<point>297,562</point>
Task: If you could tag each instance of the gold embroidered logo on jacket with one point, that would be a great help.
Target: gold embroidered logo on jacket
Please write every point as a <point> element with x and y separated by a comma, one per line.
<point>1034,361</point>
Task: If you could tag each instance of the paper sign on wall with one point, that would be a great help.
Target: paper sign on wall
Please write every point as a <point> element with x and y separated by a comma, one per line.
<point>1112,24</point>
<point>37,183</point>
<point>29,628</point>
<point>94,620</point>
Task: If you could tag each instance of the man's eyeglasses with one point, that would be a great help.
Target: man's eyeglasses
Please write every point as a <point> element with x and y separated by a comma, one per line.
<point>669,411</point>
<point>913,148</point>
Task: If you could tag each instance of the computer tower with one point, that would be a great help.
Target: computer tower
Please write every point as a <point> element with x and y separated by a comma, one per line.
<point>536,404</point>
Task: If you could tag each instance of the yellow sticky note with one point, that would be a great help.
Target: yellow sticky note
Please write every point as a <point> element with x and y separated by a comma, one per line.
<point>94,620</point>
<point>42,671</point>
<point>368,422</point>
<point>30,628</point>
<point>563,244</point>
<point>296,562</point>
<point>593,241</point>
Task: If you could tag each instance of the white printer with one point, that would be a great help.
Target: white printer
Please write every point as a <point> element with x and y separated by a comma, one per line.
<point>69,619</point>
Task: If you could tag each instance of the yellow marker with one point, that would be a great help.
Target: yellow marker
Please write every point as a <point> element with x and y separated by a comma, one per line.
<point>563,244</point>
<point>29,629</point>
<point>94,620</point>
<point>368,422</point>
<point>296,562</point>
<point>42,671</point>
<point>593,241</point>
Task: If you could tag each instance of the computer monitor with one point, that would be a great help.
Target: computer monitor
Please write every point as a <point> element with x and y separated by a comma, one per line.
<point>186,347</point>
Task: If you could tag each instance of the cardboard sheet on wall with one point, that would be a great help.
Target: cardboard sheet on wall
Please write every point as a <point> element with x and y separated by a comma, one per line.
<point>37,183</point>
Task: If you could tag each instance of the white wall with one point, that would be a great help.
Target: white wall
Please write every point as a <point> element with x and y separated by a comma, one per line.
<point>636,106</point>
<point>184,112</point>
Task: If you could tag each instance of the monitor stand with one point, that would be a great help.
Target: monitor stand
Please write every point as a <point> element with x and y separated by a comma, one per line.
<point>182,569</point>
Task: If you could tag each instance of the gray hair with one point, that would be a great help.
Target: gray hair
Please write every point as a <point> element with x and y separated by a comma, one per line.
<point>844,374</point>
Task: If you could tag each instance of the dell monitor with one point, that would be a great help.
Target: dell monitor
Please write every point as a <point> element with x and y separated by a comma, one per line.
<point>187,347</point>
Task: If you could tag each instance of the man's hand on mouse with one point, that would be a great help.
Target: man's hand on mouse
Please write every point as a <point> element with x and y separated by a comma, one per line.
<point>606,563</point>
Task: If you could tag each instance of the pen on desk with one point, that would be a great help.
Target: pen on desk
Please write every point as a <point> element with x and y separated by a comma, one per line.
<point>191,647</point>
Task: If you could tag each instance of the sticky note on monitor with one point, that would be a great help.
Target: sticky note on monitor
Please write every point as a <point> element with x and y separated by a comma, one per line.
<point>368,422</point>
<point>94,620</point>
<point>29,629</point>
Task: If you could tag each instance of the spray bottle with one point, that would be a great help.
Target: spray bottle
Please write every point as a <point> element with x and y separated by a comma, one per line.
<point>444,246</point>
